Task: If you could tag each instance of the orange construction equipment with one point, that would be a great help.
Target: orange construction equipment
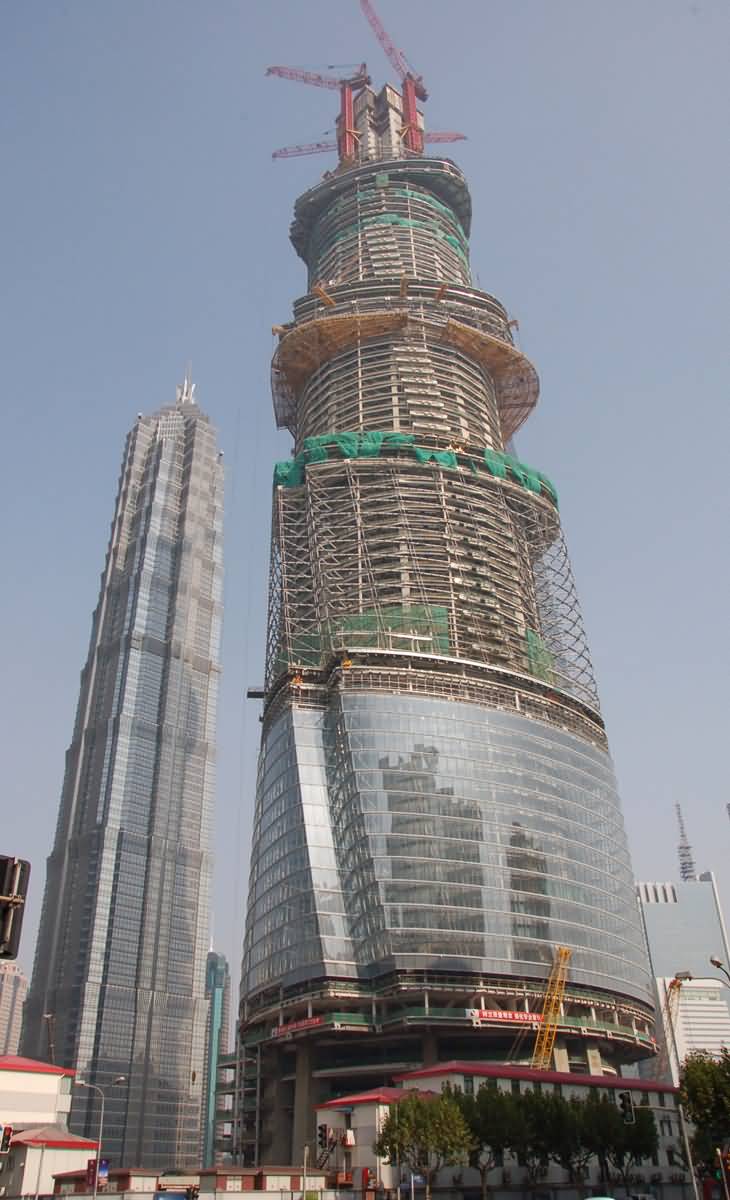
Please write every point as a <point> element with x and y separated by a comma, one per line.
<point>542,1055</point>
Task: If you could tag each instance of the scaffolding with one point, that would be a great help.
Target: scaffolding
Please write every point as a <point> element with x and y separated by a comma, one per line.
<point>359,361</point>
<point>392,553</point>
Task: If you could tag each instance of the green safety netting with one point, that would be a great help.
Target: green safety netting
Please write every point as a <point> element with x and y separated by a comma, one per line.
<point>445,458</point>
<point>540,659</point>
<point>433,203</point>
<point>326,243</point>
<point>425,625</point>
<point>369,445</point>
<point>409,194</point>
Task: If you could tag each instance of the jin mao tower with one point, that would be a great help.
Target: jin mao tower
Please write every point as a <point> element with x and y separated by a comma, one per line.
<point>118,986</point>
<point>436,809</point>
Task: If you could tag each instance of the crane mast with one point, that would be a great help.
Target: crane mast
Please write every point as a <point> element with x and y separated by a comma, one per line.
<point>542,1055</point>
<point>414,88</point>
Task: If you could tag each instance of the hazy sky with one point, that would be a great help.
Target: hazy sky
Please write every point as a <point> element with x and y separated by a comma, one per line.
<point>145,224</point>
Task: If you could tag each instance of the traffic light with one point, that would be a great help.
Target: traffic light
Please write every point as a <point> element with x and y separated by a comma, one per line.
<point>5,1140</point>
<point>14,875</point>
<point>322,1137</point>
<point>626,1106</point>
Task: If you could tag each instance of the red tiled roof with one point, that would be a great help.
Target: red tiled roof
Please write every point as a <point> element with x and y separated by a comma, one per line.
<point>506,1071</point>
<point>383,1095</point>
<point>53,1136</point>
<point>15,1062</point>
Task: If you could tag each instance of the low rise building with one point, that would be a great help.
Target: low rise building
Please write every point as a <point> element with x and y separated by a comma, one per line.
<point>254,1181</point>
<point>35,1100</point>
<point>352,1123</point>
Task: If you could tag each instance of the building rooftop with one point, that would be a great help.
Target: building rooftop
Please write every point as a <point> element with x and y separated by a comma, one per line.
<point>383,1095</point>
<point>16,1062</point>
<point>505,1071</point>
<point>55,1137</point>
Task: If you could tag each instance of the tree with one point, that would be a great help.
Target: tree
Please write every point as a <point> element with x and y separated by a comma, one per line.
<point>490,1117</point>
<point>425,1133</point>
<point>599,1119</point>
<point>627,1145</point>
<point>705,1094</point>
<point>564,1131</point>
<point>528,1137</point>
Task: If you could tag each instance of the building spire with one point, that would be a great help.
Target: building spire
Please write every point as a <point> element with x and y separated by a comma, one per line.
<point>185,392</point>
<point>687,868</point>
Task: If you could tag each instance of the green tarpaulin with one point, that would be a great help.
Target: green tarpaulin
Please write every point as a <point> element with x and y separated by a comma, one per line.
<point>372,443</point>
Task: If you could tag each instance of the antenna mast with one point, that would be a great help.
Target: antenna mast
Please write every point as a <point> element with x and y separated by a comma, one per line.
<point>687,868</point>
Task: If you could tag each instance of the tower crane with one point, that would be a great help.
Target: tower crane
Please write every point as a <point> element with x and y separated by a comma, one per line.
<point>543,1053</point>
<point>347,137</point>
<point>434,137</point>
<point>413,86</point>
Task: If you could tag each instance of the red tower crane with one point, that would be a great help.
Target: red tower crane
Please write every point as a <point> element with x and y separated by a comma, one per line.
<point>347,138</point>
<point>413,86</point>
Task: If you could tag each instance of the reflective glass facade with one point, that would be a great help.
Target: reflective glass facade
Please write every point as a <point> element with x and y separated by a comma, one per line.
<point>404,833</point>
<point>118,984</point>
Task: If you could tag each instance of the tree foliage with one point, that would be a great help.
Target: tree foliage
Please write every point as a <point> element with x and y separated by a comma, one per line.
<point>705,1094</point>
<point>536,1127</point>
<point>490,1117</point>
<point>565,1131</point>
<point>424,1133</point>
<point>627,1145</point>
<point>529,1137</point>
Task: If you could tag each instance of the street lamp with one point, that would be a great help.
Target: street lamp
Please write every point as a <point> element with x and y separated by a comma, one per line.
<point>687,976</point>
<point>716,962</point>
<point>95,1087</point>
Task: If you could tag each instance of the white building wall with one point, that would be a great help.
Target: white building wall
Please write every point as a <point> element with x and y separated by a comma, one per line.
<point>703,1020</point>
<point>34,1098</point>
<point>29,1170</point>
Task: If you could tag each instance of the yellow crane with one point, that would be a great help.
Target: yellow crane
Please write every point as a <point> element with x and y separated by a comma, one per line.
<point>668,1053</point>
<point>542,1055</point>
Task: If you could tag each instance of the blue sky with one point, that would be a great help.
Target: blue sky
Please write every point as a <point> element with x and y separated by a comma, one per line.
<point>145,224</point>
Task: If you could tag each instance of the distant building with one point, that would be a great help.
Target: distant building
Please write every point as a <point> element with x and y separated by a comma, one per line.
<point>684,927</point>
<point>218,995</point>
<point>118,986</point>
<point>13,988</point>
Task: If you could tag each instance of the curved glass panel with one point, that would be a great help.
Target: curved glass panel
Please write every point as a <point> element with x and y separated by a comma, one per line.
<point>420,834</point>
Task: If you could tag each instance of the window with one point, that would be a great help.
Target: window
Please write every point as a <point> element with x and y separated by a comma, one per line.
<point>468,1085</point>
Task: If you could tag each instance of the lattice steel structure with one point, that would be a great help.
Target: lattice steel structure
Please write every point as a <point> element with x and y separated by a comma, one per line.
<point>436,809</point>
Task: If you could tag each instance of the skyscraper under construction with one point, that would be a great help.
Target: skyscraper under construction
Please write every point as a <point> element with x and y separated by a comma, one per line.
<point>118,989</point>
<point>436,807</point>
